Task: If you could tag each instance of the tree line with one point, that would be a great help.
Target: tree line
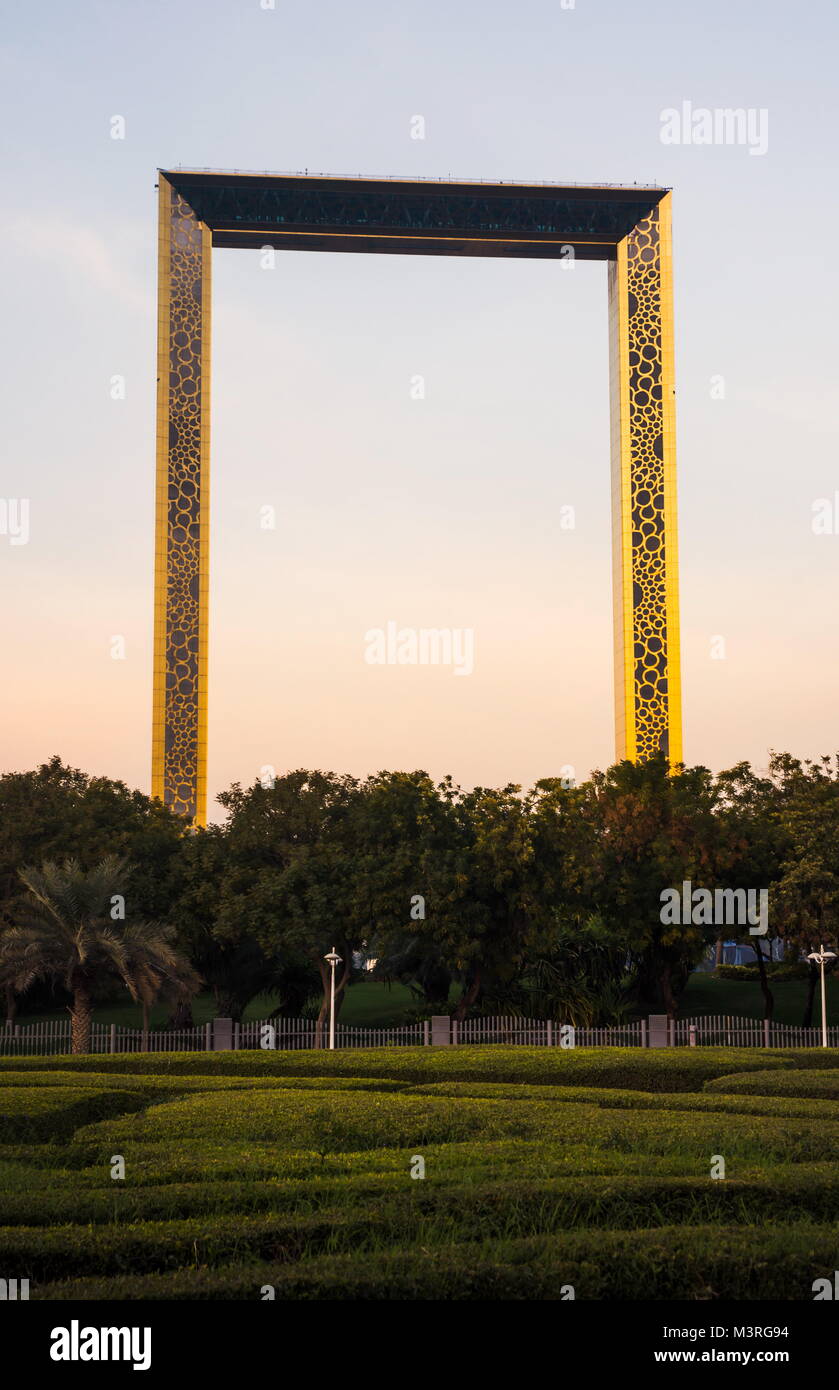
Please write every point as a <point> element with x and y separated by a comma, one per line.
<point>546,902</point>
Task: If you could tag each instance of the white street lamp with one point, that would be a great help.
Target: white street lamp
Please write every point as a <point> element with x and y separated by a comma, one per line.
<point>334,959</point>
<point>821,955</point>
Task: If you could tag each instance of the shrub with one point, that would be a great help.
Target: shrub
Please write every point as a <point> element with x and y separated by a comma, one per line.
<point>608,1099</point>
<point>816,1085</point>
<point>777,971</point>
<point>31,1113</point>
<point>322,1121</point>
<point>681,1069</point>
<point>176,1084</point>
<point>356,1120</point>
<point>542,1167</point>
<point>705,1262</point>
<point>393,1209</point>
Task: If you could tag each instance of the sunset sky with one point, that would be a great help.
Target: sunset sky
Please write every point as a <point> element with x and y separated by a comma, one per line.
<point>440,512</point>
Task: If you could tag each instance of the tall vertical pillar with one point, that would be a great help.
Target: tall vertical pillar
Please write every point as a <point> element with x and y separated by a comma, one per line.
<point>179,720</point>
<point>648,718</point>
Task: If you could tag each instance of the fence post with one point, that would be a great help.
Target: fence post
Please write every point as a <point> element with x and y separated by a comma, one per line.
<point>550,1033</point>
<point>766,1042</point>
<point>208,1037</point>
<point>112,1038</point>
<point>426,1039</point>
<point>441,1030</point>
<point>223,1035</point>
<point>692,1035</point>
<point>643,1032</point>
<point>659,1025</point>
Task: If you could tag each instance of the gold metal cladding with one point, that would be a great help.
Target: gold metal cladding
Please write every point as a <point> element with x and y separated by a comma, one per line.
<point>158,767</point>
<point>649,524</point>
<point>621,508</point>
<point>643,464</point>
<point>182,565</point>
<point>671,538</point>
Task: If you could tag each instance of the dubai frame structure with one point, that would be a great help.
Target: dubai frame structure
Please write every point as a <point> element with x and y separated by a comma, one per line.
<point>626,226</point>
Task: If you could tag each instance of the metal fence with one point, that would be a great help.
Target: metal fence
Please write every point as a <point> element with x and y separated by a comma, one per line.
<point>535,1032</point>
<point>54,1037</point>
<point>724,1030</point>
<point>304,1032</point>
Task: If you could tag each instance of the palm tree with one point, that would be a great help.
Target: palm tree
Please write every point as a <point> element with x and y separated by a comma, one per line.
<point>66,932</point>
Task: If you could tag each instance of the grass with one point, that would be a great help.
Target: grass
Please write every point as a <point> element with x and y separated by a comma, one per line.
<point>373,1004</point>
<point>706,994</point>
<point>542,1170</point>
<point>367,1003</point>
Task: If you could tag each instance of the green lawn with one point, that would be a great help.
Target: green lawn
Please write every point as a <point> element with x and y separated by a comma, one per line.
<point>367,1003</point>
<point>418,1173</point>
<point>705,994</point>
<point>379,1005</point>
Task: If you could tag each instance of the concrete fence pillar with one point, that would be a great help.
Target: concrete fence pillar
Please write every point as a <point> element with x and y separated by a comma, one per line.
<point>658,1030</point>
<point>222,1035</point>
<point>441,1030</point>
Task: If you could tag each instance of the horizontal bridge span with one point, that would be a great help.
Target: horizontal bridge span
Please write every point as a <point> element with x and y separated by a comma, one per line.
<point>313,213</point>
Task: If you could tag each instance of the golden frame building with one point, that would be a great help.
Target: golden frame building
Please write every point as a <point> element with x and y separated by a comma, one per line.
<point>629,227</point>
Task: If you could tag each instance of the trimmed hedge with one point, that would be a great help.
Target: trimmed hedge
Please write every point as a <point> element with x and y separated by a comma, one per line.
<point>542,1167</point>
<point>31,1113</point>
<point>607,1099</point>
<point>422,1215</point>
<point>325,1121</point>
<point>393,1207</point>
<point>357,1120</point>
<point>158,1165</point>
<point>777,972</point>
<point>643,1069</point>
<point>177,1085</point>
<point>668,1263</point>
<point>812,1087</point>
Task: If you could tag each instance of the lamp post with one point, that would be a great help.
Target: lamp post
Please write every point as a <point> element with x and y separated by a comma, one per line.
<point>821,955</point>
<point>334,959</point>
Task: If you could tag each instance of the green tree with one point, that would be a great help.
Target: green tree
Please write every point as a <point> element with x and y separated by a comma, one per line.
<point>805,900</point>
<point>653,831</point>
<point>65,930</point>
<point>292,872</point>
<point>56,812</point>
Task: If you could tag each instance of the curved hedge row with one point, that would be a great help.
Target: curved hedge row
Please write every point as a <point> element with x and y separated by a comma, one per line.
<point>640,1069</point>
<point>812,1086</point>
<point>356,1120</point>
<point>541,1168</point>
<point>32,1113</point>
<point>393,1208</point>
<point>668,1263</point>
<point>608,1099</point>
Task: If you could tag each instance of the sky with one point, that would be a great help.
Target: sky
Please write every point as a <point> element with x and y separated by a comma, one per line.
<point>449,510</point>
